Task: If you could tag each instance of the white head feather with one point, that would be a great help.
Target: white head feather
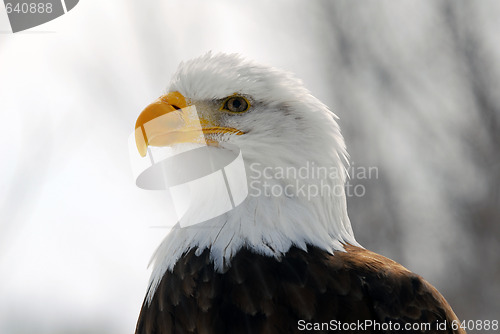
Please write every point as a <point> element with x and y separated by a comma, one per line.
<point>286,127</point>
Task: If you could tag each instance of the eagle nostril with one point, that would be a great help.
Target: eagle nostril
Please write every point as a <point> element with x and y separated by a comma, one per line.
<point>175,107</point>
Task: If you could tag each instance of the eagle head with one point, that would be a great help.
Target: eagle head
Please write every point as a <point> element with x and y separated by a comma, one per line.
<point>281,130</point>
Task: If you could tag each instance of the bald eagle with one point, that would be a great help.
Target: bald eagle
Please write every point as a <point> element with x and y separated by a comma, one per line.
<point>282,261</point>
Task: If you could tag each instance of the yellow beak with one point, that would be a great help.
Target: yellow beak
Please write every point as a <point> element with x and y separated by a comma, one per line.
<point>171,120</point>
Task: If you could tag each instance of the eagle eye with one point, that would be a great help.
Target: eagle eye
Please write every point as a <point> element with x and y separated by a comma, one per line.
<point>236,104</point>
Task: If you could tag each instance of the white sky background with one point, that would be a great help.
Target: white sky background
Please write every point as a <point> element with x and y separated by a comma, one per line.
<point>75,234</point>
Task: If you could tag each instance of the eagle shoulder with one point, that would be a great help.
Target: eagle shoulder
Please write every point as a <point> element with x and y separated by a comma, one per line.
<point>397,294</point>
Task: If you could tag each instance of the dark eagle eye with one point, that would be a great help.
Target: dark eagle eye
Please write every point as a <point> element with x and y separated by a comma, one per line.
<point>236,104</point>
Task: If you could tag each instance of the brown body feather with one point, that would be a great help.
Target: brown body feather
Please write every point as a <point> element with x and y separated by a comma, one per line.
<point>259,294</point>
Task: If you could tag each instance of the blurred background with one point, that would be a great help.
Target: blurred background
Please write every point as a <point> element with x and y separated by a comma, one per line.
<point>416,85</point>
